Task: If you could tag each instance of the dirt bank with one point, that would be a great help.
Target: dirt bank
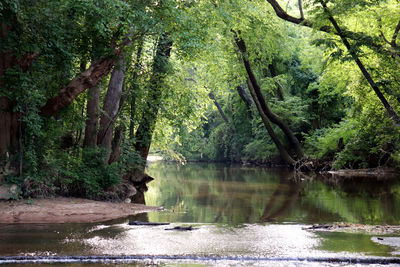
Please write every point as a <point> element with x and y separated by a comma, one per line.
<point>66,210</point>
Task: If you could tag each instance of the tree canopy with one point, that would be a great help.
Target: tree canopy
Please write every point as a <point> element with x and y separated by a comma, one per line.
<point>89,88</point>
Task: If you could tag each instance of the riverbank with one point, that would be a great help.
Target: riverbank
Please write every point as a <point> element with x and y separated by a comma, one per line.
<point>66,210</point>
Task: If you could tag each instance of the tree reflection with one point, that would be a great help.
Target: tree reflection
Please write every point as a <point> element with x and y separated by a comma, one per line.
<point>282,200</point>
<point>209,193</point>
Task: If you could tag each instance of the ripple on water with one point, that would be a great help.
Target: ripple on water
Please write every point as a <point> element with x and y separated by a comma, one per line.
<point>208,239</point>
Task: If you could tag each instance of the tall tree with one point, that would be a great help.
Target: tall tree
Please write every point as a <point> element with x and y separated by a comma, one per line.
<point>392,113</point>
<point>359,40</point>
<point>26,35</point>
<point>134,87</point>
<point>293,141</point>
<point>359,37</point>
<point>111,106</point>
<point>144,133</point>
<point>92,113</point>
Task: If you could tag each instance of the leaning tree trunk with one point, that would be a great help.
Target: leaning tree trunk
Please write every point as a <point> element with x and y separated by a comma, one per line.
<point>10,122</point>
<point>221,112</point>
<point>295,144</point>
<point>78,85</point>
<point>282,150</point>
<point>392,113</point>
<point>248,101</point>
<point>111,106</point>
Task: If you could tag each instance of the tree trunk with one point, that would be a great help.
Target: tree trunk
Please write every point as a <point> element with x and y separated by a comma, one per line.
<point>360,37</point>
<point>10,125</point>
<point>361,66</point>
<point>92,113</point>
<point>111,106</point>
<point>221,112</point>
<point>260,98</point>
<point>10,121</point>
<point>133,89</point>
<point>279,91</point>
<point>9,135</point>
<point>248,101</point>
<point>147,124</point>
<point>245,96</point>
<point>79,84</point>
<point>282,150</point>
<point>115,146</point>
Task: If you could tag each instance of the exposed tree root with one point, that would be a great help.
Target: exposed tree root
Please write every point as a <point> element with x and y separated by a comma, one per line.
<point>312,165</point>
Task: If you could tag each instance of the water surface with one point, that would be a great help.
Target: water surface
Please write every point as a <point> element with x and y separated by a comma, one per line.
<point>243,217</point>
<point>212,193</point>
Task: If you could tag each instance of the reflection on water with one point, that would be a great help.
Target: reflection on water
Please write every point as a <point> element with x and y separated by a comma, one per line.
<point>242,213</point>
<point>218,194</point>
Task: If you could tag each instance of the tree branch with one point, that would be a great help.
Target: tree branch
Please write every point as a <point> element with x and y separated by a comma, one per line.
<point>84,80</point>
<point>392,113</point>
<point>76,86</point>
<point>301,9</point>
<point>356,36</point>
<point>221,112</point>
<point>395,34</point>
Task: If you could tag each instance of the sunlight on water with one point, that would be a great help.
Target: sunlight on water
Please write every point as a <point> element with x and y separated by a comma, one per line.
<point>206,239</point>
<point>242,217</point>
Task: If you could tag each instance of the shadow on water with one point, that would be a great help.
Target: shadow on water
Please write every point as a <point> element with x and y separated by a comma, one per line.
<point>244,217</point>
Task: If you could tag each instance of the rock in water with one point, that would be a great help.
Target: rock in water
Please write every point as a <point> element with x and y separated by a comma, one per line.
<point>9,191</point>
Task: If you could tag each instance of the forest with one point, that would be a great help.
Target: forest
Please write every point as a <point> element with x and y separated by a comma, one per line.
<point>88,89</point>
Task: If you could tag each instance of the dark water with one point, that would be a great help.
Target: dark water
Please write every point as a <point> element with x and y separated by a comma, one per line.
<point>243,217</point>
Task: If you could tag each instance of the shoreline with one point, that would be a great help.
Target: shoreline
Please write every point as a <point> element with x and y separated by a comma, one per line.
<point>368,172</point>
<point>66,210</point>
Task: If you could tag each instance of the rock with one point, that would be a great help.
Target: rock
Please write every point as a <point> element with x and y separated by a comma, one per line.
<point>9,191</point>
<point>120,192</point>
<point>6,169</point>
<point>128,200</point>
<point>130,190</point>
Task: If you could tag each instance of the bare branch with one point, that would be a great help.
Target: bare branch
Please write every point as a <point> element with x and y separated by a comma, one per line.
<point>381,34</point>
<point>395,34</point>
<point>384,38</point>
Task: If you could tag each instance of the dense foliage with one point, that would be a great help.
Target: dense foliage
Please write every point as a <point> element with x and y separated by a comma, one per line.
<point>180,83</point>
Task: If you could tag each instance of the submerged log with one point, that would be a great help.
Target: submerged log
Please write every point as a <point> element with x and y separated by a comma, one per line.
<point>182,228</point>
<point>139,223</point>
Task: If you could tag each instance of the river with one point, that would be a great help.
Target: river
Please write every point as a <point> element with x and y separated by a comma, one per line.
<point>241,216</point>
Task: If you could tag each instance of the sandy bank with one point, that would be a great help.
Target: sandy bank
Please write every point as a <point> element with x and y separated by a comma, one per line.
<point>66,210</point>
